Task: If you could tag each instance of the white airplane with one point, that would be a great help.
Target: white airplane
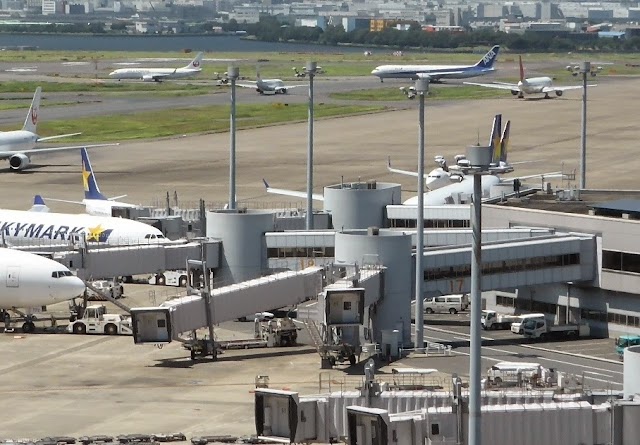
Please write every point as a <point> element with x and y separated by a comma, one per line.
<point>263,86</point>
<point>436,178</point>
<point>35,227</point>
<point>434,73</point>
<point>95,203</point>
<point>32,281</point>
<point>19,145</point>
<point>530,85</point>
<point>159,74</point>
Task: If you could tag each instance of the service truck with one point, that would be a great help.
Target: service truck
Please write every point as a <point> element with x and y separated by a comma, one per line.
<point>541,330</point>
<point>112,288</point>
<point>516,326</point>
<point>494,320</point>
<point>95,320</point>
<point>624,341</point>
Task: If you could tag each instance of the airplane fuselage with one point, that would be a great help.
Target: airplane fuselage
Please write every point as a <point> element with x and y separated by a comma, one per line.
<point>39,228</point>
<point>464,187</point>
<point>28,280</point>
<point>17,140</point>
<point>535,85</point>
<point>164,73</point>
<point>433,71</point>
<point>271,85</point>
<point>101,207</point>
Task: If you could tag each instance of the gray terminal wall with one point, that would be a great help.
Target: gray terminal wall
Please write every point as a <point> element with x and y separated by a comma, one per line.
<point>359,205</point>
<point>392,250</point>
<point>243,255</point>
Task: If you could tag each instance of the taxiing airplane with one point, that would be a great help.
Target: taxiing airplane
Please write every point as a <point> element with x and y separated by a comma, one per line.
<point>19,145</point>
<point>95,203</point>
<point>530,85</point>
<point>435,73</point>
<point>32,281</point>
<point>264,86</point>
<point>37,227</point>
<point>159,74</point>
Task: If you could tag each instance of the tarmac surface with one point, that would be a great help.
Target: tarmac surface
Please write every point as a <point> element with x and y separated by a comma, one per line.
<point>76,385</point>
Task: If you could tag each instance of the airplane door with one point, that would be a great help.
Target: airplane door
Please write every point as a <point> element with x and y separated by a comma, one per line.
<point>13,276</point>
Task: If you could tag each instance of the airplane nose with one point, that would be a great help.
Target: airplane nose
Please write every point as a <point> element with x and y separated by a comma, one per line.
<point>375,71</point>
<point>112,73</point>
<point>67,288</point>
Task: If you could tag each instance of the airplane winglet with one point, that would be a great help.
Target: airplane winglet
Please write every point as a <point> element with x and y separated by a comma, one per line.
<point>37,200</point>
<point>266,184</point>
<point>389,162</point>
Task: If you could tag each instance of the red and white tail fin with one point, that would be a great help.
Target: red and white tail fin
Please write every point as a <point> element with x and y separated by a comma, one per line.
<point>31,122</point>
<point>196,62</point>
<point>521,69</point>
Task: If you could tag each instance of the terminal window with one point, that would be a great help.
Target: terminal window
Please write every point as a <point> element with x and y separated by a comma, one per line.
<point>622,261</point>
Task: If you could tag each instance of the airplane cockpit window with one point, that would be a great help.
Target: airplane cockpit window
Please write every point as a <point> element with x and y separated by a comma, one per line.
<point>61,273</point>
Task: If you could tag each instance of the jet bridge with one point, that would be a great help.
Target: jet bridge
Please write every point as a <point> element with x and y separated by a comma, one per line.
<point>166,322</point>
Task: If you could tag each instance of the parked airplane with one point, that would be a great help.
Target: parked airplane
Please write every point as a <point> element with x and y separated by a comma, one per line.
<point>33,227</point>
<point>95,203</point>
<point>32,281</point>
<point>530,85</point>
<point>159,74</point>
<point>275,86</point>
<point>19,145</point>
<point>435,73</point>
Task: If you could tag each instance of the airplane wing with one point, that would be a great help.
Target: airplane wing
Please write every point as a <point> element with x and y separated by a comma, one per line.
<point>65,201</point>
<point>246,85</point>
<point>427,75</point>
<point>295,86</point>
<point>295,193</point>
<point>402,172</point>
<point>497,86</point>
<point>48,138</point>
<point>157,76</point>
<point>538,175</point>
<point>35,151</point>
<point>572,87</point>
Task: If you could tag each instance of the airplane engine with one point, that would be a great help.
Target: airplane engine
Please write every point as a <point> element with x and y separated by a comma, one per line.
<point>558,93</point>
<point>148,79</point>
<point>283,91</point>
<point>514,92</point>
<point>19,161</point>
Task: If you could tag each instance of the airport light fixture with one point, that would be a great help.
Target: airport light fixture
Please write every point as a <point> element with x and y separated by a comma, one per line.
<point>584,69</point>
<point>233,73</point>
<point>421,89</point>
<point>477,163</point>
<point>310,69</point>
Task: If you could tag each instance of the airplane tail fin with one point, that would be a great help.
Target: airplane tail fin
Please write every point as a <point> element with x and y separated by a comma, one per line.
<point>31,122</point>
<point>521,69</point>
<point>489,59</point>
<point>196,62</point>
<point>504,143</point>
<point>91,189</point>
<point>494,142</point>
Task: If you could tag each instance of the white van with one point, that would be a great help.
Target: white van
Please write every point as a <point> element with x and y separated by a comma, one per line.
<point>446,303</point>
<point>516,327</point>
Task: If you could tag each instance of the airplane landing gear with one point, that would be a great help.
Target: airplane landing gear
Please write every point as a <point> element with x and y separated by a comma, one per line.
<point>546,96</point>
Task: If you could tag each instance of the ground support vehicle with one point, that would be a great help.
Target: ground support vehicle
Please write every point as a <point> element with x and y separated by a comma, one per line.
<point>95,320</point>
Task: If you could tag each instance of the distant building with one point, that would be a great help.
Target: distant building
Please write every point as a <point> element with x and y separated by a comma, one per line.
<point>50,7</point>
<point>312,22</point>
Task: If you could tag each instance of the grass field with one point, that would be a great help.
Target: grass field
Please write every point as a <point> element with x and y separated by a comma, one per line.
<point>190,120</point>
<point>435,93</point>
<point>100,87</point>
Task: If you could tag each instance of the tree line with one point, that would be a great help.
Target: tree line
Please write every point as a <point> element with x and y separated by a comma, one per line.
<point>270,29</point>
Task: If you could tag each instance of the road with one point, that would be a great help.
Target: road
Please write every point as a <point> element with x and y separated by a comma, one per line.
<point>595,359</point>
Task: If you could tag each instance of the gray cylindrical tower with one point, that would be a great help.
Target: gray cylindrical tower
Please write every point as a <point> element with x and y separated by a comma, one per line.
<point>244,254</point>
<point>392,250</point>
<point>358,205</point>
<point>631,384</point>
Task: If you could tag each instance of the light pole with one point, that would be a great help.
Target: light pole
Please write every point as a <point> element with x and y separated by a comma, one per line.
<point>585,70</point>
<point>310,69</point>
<point>233,73</point>
<point>422,88</point>
<point>479,160</point>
